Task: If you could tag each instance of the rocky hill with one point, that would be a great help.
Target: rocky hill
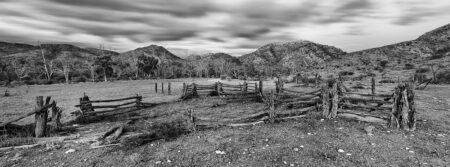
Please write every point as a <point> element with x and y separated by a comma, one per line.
<point>291,55</point>
<point>154,51</point>
<point>11,48</point>
<point>430,46</point>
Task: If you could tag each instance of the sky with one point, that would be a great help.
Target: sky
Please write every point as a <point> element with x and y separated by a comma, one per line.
<point>236,27</point>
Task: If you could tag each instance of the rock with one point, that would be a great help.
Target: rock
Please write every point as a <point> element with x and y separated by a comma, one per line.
<point>369,130</point>
<point>296,149</point>
<point>220,152</point>
<point>17,157</point>
<point>340,150</point>
<point>52,146</point>
<point>70,151</point>
<point>135,158</point>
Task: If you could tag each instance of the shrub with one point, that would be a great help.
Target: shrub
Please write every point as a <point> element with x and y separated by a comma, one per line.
<point>422,70</point>
<point>387,81</point>
<point>409,66</point>
<point>223,77</point>
<point>383,63</point>
<point>443,77</point>
<point>346,73</point>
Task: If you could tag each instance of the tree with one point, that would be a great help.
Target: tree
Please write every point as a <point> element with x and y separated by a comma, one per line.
<point>20,67</point>
<point>147,64</point>
<point>66,63</point>
<point>48,64</point>
<point>105,63</point>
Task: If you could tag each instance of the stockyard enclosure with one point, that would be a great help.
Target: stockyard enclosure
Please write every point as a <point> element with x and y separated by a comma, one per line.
<point>213,122</point>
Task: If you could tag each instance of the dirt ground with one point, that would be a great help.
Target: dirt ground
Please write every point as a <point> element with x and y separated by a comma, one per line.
<point>309,141</point>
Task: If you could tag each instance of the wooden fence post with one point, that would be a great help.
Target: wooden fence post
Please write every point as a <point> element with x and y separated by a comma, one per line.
<point>40,117</point>
<point>56,116</point>
<point>138,101</point>
<point>335,100</point>
<point>194,90</point>
<point>156,87</point>
<point>316,80</point>
<point>412,106</point>
<point>256,87</point>
<point>272,107</point>
<point>373,87</point>
<point>244,87</point>
<point>277,87</point>
<point>261,86</point>
<point>162,87</point>
<point>184,89</point>
<point>325,101</point>
<point>169,89</point>
<point>395,108</point>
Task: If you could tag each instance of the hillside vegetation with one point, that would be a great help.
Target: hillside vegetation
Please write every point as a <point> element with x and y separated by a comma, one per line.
<point>55,63</point>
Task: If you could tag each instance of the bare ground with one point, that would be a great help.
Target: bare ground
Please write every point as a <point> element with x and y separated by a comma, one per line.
<point>308,141</point>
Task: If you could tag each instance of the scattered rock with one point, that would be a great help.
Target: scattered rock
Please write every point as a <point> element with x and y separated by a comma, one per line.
<point>369,130</point>
<point>296,149</point>
<point>157,162</point>
<point>340,150</point>
<point>301,146</point>
<point>348,154</point>
<point>17,157</point>
<point>135,158</point>
<point>70,151</point>
<point>220,152</point>
<point>52,146</point>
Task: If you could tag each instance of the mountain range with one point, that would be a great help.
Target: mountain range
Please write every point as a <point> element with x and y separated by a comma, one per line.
<point>291,56</point>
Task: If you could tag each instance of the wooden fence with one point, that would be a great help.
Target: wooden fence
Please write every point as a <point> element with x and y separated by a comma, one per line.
<point>87,106</point>
<point>220,89</point>
<point>41,112</point>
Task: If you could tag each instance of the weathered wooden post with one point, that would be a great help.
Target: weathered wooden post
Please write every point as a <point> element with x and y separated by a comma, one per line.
<point>256,87</point>
<point>395,108</point>
<point>244,88</point>
<point>162,87</point>
<point>277,87</point>
<point>40,117</point>
<point>335,100</point>
<point>412,106</point>
<point>156,87</point>
<point>261,86</point>
<point>373,87</point>
<point>184,89</point>
<point>316,78</point>
<point>325,101</point>
<point>56,116</point>
<point>169,89</point>
<point>272,107</point>
<point>194,90</point>
<point>138,101</point>
<point>219,88</point>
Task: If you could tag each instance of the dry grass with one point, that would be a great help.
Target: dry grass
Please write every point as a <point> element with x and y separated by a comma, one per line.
<point>310,141</point>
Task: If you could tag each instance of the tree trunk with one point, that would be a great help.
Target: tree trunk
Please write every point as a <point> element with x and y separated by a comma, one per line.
<point>40,118</point>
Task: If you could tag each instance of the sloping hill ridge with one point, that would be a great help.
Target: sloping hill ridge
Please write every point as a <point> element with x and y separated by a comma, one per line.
<point>291,55</point>
<point>432,45</point>
<point>155,51</point>
<point>11,48</point>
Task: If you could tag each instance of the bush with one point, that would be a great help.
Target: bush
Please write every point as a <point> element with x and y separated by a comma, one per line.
<point>443,77</point>
<point>387,81</point>
<point>346,73</point>
<point>409,66</point>
<point>383,63</point>
<point>422,70</point>
<point>223,77</point>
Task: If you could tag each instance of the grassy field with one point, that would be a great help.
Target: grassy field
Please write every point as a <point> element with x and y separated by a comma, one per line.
<point>309,141</point>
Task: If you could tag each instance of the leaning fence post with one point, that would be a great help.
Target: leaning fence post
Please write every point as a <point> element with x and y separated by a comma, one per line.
<point>40,117</point>
<point>194,90</point>
<point>162,87</point>
<point>256,87</point>
<point>412,107</point>
<point>156,87</point>
<point>56,116</point>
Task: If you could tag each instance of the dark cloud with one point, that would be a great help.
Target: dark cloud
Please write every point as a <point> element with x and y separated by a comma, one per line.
<point>251,34</point>
<point>179,8</point>
<point>413,16</point>
<point>349,12</point>
<point>216,39</point>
